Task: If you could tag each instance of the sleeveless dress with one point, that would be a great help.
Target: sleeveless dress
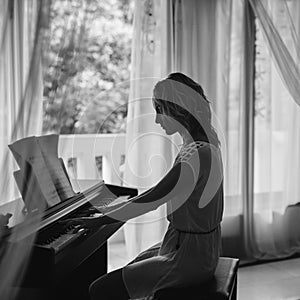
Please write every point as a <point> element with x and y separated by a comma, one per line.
<point>191,245</point>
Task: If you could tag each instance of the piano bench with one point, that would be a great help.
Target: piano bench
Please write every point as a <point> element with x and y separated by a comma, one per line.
<point>223,286</point>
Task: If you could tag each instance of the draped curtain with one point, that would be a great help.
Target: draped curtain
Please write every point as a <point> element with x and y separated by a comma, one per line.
<point>277,133</point>
<point>169,36</point>
<point>20,110</point>
<point>149,152</point>
<point>20,83</point>
<point>213,42</point>
<point>282,38</point>
<point>254,98</point>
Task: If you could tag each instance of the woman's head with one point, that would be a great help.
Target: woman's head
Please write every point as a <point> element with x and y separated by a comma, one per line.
<point>180,102</point>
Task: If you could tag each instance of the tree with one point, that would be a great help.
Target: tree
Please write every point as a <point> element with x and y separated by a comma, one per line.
<point>87,54</point>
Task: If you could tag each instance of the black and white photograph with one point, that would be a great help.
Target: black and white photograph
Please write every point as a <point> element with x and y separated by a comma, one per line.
<point>150,149</point>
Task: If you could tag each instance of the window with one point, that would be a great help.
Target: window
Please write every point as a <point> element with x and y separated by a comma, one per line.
<point>87,66</point>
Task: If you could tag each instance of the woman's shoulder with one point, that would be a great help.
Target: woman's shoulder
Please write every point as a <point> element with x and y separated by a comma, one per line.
<point>191,149</point>
<point>197,150</point>
<point>201,147</point>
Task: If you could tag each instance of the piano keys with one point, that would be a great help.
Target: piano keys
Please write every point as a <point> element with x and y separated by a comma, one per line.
<point>62,237</point>
<point>65,258</point>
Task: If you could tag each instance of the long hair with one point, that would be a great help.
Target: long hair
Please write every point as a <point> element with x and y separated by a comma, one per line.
<point>183,99</point>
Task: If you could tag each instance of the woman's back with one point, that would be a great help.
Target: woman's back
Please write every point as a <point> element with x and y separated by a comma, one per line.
<point>189,216</point>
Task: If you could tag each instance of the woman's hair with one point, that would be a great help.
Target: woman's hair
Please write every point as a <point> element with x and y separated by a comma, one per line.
<point>183,99</point>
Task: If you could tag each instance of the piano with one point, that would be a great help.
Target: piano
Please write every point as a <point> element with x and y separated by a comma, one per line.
<point>65,257</point>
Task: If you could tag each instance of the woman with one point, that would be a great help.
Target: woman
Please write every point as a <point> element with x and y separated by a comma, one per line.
<point>193,191</point>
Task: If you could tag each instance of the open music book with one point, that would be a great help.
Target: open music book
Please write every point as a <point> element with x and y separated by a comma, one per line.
<point>42,178</point>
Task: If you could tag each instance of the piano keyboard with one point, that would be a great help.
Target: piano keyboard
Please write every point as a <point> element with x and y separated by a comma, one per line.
<point>61,237</point>
<point>60,240</point>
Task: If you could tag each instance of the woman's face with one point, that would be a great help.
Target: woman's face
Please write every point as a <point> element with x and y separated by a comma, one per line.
<point>169,124</point>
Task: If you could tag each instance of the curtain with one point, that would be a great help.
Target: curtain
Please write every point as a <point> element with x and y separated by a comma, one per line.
<point>20,83</point>
<point>149,152</point>
<point>170,36</point>
<point>276,166</point>
<point>249,70</point>
<point>202,32</point>
<point>282,39</point>
<point>211,43</point>
<point>20,109</point>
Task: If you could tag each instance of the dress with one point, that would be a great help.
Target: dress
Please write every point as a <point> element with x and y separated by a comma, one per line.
<point>191,245</point>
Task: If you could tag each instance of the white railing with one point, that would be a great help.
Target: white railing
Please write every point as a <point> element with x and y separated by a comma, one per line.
<point>85,148</point>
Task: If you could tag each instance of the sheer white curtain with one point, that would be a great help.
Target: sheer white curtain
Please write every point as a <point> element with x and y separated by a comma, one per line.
<point>149,152</point>
<point>20,84</point>
<point>282,39</point>
<point>202,35</point>
<point>214,43</point>
<point>170,36</point>
<point>210,46</point>
<point>277,130</point>
<point>20,111</point>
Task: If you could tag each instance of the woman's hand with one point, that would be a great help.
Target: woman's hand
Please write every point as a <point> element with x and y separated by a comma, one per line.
<point>93,220</point>
<point>114,205</point>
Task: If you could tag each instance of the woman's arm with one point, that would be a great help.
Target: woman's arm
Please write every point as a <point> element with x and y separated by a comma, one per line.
<point>149,200</point>
<point>175,186</point>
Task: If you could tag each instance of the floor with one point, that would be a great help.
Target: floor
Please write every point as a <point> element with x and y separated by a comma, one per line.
<point>275,281</point>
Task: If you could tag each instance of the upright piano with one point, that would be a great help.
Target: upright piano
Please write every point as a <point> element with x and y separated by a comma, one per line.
<point>64,257</point>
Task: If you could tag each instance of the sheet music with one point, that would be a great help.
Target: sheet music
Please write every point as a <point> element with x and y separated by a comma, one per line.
<point>46,168</point>
<point>28,150</point>
<point>49,146</point>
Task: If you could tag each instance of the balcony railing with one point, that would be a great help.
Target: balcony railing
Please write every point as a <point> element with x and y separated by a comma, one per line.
<point>97,156</point>
<point>93,156</point>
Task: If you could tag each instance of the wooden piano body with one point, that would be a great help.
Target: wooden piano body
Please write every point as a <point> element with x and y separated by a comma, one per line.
<point>66,272</point>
